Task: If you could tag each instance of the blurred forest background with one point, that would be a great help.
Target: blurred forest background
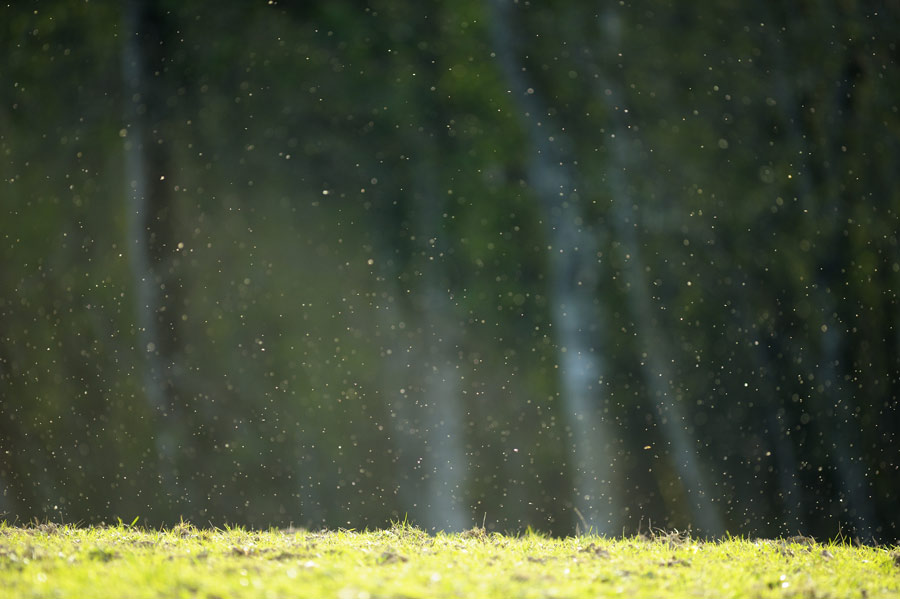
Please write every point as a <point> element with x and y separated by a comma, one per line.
<point>549,264</point>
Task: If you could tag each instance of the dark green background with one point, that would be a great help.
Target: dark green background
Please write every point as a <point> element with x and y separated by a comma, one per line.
<point>346,279</point>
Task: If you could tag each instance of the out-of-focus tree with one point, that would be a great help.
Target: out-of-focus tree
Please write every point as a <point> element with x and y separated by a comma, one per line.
<point>153,245</point>
<point>573,287</point>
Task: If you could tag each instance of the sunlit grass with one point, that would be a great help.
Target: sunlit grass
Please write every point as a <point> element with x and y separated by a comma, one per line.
<point>64,561</point>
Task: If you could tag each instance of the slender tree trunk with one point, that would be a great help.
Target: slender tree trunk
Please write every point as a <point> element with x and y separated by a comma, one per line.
<point>441,408</point>
<point>424,361</point>
<point>445,458</point>
<point>422,389</point>
<point>833,401</point>
<point>394,386</point>
<point>659,380</point>
<point>396,318</point>
<point>148,209</point>
<point>672,418</point>
<point>420,344</point>
<point>842,420</point>
<point>573,272</point>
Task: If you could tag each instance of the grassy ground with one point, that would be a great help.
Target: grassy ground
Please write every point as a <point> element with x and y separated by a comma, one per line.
<point>61,561</point>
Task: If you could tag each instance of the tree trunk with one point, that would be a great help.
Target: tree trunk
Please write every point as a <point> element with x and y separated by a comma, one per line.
<point>441,408</point>
<point>422,388</point>
<point>573,272</point>
<point>658,377</point>
<point>422,337</point>
<point>149,206</point>
<point>833,402</point>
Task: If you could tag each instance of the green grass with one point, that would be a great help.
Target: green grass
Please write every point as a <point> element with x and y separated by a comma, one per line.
<point>63,561</point>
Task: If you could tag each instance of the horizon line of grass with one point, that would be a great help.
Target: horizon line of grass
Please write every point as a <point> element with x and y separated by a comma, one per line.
<point>650,534</point>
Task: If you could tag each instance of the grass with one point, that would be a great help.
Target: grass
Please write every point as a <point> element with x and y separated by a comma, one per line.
<point>49,560</point>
